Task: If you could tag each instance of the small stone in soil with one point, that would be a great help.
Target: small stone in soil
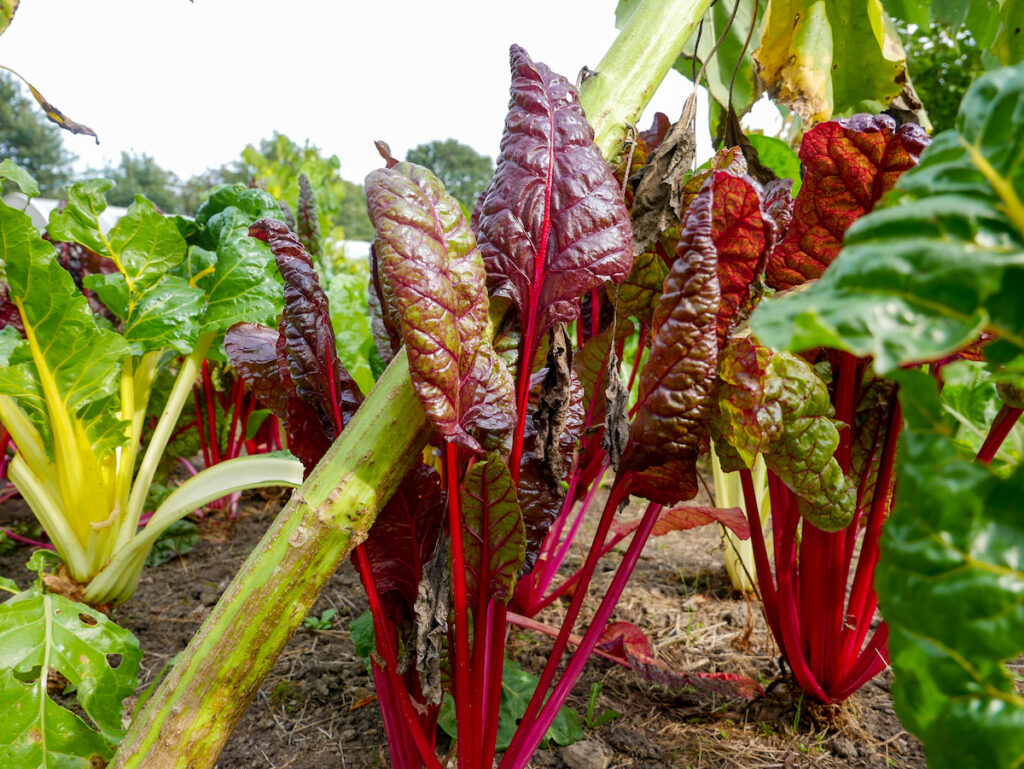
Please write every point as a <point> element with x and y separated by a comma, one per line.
<point>586,754</point>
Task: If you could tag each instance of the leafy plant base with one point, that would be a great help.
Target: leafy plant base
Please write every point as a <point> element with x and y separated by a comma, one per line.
<point>680,596</point>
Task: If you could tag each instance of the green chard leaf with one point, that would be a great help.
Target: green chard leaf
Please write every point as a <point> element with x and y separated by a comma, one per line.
<point>74,362</point>
<point>8,168</point>
<point>40,632</point>
<point>159,309</point>
<point>943,261</point>
<point>951,588</point>
<point>493,533</point>
<point>774,404</point>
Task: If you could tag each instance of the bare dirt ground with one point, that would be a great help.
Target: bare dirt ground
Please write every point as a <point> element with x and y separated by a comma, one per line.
<point>317,710</point>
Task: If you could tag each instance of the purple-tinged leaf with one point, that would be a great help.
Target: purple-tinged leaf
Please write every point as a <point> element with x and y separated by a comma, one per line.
<point>778,205</point>
<point>312,358</point>
<point>402,539</point>
<point>729,159</point>
<point>258,354</point>
<point>307,224</point>
<point>669,425</point>
<point>9,315</point>
<point>493,533</point>
<point>431,265</point>
<point>628,643</point>
<point>868,437</point>
<point>775,403</point>
<point>687,517</point>
<point>848,165</point>
<point>383,323</point>
<point>553,225</point>
<point>640,293</point>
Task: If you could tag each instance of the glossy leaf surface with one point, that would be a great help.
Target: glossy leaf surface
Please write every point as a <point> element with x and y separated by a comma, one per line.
<point>674,384</point>
<point>775,404</point>
<point>921,278</point>
<point>950,584</point>
<point>553,225</point>
<point>494,537</point>
<point>849,164</point>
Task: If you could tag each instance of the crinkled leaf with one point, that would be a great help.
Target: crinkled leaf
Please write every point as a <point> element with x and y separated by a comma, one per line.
<point>624,638</point>
<point>640,292</point>
<point>493,534</point>
<point>8,168</point>
<point>742,237</point>
<point>435,274</point>
<point>404,535</point>
<point>867,437</point>
<point>952,589</point>
<point>307,224</point>
<point>674,385</point>
<point>830,58</point>
<point>79,358</point>
<point>924,276</point>
<point>775,404</point>
<point>311,355</point>
<point>41,632</point>
<point>849,164</point>
<point>553,225</point>
<point>687,517</point>
<point>252,350</point>
<point>53,114</point>
<point>239,277</point>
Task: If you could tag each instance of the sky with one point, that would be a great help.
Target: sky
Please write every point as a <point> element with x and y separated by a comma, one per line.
<point>191,84</point>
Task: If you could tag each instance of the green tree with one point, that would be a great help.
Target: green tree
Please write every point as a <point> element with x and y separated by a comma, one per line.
<point>30,140</point>
<point>943,62</point>
<point>141,174</point>
<point>353,217</point>
<point>464,171</point>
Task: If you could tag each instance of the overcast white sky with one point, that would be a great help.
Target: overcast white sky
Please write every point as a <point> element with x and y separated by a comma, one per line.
<point>192,84</point>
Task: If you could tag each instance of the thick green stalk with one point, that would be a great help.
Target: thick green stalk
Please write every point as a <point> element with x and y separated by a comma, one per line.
<point>189,718</point>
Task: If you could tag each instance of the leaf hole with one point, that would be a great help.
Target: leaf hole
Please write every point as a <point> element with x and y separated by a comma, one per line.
<point>86,619</point>
<point>114,660</point>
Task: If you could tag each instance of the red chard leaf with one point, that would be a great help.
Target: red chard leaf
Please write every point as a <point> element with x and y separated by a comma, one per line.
<point>307,225</point>
<point>729,159</point>
<point>848,165</point>
<point>431,266</point>
<point>553,225</point>
<point>495,541</point>
<point>687,517</point>
<point>778,204</point>
<point>669,425</point>
<point>312,358</point>
<point>590,362</point>
<point>258,354</point>
<point>402,539</point>
<point>743,237</point>
<point>624,638</point>
<point>641,291</point>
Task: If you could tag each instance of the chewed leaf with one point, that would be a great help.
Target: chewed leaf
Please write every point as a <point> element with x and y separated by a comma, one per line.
<point>312,357</point>
<point>673,400</point>
<point>553,225</point>
<point>494,537</point>
<point>849,164</point>
<point>75,641</point>
<point>687,517</point>
<point>775,404</point>
<point>432,269</point>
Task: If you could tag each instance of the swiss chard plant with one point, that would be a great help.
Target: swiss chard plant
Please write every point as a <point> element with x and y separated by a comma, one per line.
<point>74,389</point>
<point>938,271</point>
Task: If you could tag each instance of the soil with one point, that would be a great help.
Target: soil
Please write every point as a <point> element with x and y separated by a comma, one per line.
<point>317,708</point>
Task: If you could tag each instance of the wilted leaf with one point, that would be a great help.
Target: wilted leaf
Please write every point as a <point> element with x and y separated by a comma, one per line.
<point>687,517</point>
<point>54,115</point>
<point>7,10</point>
<point>821,58</point>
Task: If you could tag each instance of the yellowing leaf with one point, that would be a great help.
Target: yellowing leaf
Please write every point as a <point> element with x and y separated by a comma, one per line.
<point>53,114</point>
<point>830,57</point>
<point>7,9</point>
